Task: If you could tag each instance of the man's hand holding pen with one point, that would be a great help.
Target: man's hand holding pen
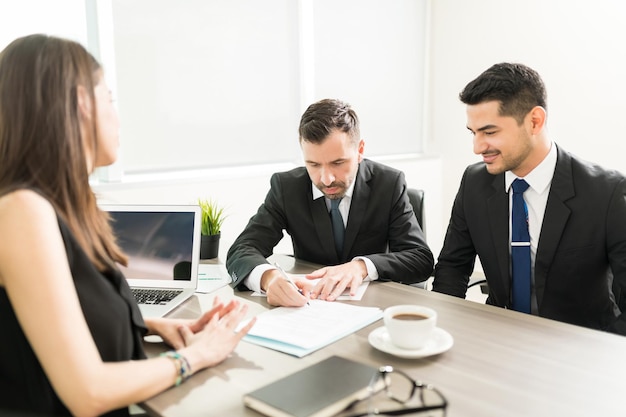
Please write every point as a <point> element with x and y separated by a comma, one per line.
<point>282,290</point>
<point>288,279</point>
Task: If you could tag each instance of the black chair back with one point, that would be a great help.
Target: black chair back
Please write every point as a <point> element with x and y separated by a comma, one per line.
<point>416,197</point>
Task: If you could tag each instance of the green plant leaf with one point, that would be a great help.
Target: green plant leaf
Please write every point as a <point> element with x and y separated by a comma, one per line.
<point>212,216</point>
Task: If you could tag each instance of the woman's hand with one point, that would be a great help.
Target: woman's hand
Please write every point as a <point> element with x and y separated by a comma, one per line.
<point>207,340</point>
<point>218,338</point>
<point>169,329</point>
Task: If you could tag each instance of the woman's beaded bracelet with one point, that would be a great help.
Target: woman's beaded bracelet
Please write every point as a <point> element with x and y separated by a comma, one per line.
<point>182,366</point>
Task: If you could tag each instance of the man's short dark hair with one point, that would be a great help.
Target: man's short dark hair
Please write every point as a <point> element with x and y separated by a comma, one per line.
<point>324,116</point>
<point>517,87</point>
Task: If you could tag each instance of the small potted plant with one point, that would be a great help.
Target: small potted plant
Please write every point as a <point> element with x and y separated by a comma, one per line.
<point>212,218</point>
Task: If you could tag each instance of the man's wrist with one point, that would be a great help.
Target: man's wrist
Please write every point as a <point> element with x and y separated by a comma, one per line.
<point>253,280</point>
<point>370,268</point>
<point>267,278</point>
<point>362,266</point>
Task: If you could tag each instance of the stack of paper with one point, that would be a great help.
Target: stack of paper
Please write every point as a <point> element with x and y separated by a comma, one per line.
<point>211,277</point>
<point>299,331</point>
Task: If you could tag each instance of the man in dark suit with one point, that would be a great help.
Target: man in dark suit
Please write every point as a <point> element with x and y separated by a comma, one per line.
<point>575,211</point>
<point>381,236</point>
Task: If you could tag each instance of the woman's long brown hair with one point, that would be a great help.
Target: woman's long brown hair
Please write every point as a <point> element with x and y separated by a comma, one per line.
<point>41,145</point>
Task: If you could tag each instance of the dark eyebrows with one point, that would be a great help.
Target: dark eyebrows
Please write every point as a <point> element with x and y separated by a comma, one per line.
<point>482,129</point>
<point>336,161</point>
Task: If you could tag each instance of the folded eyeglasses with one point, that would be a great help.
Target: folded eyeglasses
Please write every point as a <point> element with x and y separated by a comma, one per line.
<point>398,396</point>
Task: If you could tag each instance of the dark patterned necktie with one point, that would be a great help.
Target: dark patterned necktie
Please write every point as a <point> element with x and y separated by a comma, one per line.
<point>520,248</point>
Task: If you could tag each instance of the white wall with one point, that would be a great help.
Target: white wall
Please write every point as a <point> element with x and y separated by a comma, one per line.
<point>213,83</point>
<point>25,17</point>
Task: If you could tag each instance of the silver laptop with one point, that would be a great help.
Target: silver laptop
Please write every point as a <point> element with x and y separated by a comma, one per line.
<point>162,243</point>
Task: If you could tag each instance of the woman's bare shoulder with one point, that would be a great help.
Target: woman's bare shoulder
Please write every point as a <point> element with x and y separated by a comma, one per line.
<point>26,214</point>
<point>27,219</point>
<point>24,203</point>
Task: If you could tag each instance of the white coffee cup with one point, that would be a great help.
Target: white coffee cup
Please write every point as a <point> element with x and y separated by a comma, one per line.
<point>410,326</point>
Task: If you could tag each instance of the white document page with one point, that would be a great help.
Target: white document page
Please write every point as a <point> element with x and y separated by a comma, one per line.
<point>211,277</point>
<point>302,330</point>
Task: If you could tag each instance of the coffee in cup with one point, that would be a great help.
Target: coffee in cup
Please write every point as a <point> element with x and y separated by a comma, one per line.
<point>410,326</point>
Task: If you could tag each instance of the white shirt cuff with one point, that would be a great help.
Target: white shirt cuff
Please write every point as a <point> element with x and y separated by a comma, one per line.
<point>253,280</point>
<point>372,272</point>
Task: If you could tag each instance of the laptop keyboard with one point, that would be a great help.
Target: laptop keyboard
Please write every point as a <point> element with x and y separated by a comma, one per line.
<point>154,296</point>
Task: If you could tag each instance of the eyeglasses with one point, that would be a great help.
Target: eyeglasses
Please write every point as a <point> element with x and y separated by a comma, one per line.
<point>399,389</point>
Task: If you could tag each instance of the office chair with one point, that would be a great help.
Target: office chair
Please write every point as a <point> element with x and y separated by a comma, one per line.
<point>484,288</point>
<point>416,198</point>
<point>620,296</point>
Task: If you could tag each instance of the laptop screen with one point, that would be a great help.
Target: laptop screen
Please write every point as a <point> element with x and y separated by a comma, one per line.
<point>159,242</point>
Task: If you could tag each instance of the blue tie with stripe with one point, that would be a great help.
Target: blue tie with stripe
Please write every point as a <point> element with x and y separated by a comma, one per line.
<point>338,227</point>
<point>520,248</point>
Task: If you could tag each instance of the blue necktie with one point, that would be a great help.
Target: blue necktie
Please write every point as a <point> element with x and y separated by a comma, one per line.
<point>520,248</point>
<point>338,227</point>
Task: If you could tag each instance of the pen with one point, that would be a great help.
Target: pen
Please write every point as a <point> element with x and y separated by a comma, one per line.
<point>284,274</point>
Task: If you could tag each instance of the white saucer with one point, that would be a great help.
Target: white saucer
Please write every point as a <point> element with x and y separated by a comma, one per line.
<point>439,342</point>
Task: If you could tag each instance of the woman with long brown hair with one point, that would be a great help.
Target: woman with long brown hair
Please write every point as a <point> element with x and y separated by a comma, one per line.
<point>72,332</point>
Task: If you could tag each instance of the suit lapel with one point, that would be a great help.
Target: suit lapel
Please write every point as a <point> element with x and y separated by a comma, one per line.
<point>554,220</point>
<point>358,206</point>
<point>498,209</point>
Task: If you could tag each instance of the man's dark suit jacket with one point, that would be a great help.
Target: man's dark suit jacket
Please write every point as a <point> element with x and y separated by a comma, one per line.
<point>581,247</point>
<point>381,226</point>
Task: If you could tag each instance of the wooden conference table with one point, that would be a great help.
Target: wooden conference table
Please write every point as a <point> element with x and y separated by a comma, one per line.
<point>502,363</point>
